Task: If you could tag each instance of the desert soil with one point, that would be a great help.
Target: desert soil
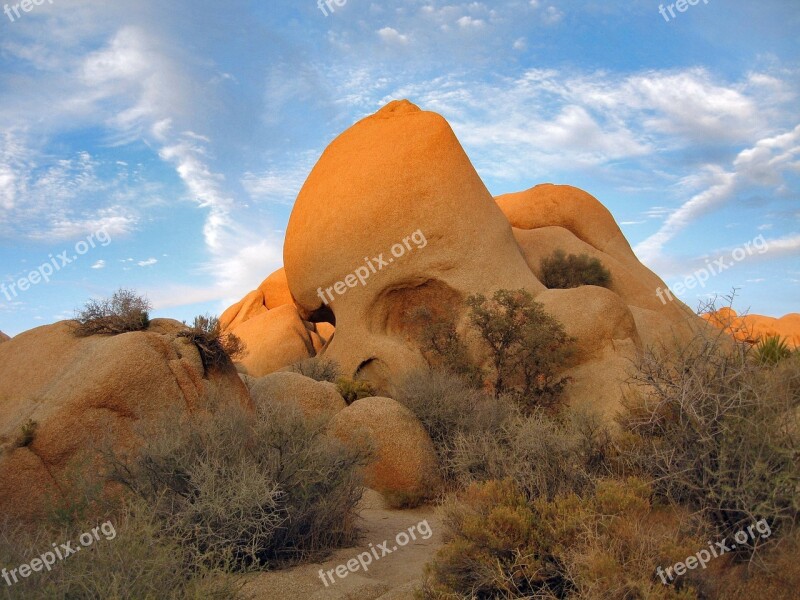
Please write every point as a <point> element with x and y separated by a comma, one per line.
<point>395,576</point>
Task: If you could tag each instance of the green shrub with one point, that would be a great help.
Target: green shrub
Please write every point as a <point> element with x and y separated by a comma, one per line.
<point>718,433</point>
<point>354,389</point>
<point>217,350</point>
<point>772,350</point>
<point>560,271</point>
<point>318,368</point>
<point>238,493</point>
<point>125,311</point>
<point>527,347</point>
<point>443,347</point>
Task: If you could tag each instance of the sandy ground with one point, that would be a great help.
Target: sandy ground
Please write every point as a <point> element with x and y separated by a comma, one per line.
<point>394,576</point>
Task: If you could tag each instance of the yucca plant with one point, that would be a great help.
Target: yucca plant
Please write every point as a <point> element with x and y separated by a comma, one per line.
<point>772,350</point>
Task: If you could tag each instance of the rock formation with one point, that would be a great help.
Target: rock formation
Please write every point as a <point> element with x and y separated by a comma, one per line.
<point>754,328</point>
<point>3,337</point>
<point>269,324</point>
<point>394,218</point>
<point>62,397</point>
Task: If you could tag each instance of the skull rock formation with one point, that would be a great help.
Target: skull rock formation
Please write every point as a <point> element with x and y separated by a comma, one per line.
<point>402,175</point>
<point>397,172</point>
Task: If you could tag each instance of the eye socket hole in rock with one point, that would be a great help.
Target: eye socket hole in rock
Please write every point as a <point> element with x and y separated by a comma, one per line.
<point>376,372</point>
<point>323,314</point>
<point>394,311</point>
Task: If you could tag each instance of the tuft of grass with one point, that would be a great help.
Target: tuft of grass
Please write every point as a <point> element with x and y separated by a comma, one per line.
<point>560,271</point>
<point>27,433</point>
<point>124,312</point>
<point>354,389</point>
<point>318,368</point>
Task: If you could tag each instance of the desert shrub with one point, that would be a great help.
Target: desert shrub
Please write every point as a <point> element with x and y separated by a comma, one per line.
<point>442,345</point>
<point>718,433</point>
<point>217,350</point>
<point>775,576</point>
<point>354,389</point>
<point>772,350</point>
<point>318,368</point>
<point>448,407</point>
<point>560,271</point>
<point>543,456</point>
<point>528,347</point>
<point>125,311</point>
<point>606,545</point>
<point>237,493</point>
<point>478,437</point>
<point>131,560</point>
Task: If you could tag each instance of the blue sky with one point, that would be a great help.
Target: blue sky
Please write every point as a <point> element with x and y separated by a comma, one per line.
<point>184,130</point>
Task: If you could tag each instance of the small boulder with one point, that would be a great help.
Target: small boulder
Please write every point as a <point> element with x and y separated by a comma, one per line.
<point>274,339</point>
<point>275,290</point>
<point>314,398</point>
<point>405,468</point>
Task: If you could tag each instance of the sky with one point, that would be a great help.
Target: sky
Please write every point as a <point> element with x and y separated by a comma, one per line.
<point>159,146</point>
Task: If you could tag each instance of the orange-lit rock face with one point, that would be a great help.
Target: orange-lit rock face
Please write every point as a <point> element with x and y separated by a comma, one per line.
<point>400,179</point>
<point>395,173</point>
<point>753,328</point>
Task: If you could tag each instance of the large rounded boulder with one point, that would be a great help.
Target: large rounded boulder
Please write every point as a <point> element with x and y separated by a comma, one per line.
<point>405,468</point>
<point>64,397</point>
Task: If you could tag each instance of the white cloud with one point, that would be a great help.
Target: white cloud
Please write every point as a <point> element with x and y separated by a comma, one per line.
<point>552,15</point>
<point>100,264</point>
<point>147,263</point>
<point>763,164</point>
<point>784,246</point>
<point>392,36</point>
<point>721,185</point>
<point>467,22</point>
